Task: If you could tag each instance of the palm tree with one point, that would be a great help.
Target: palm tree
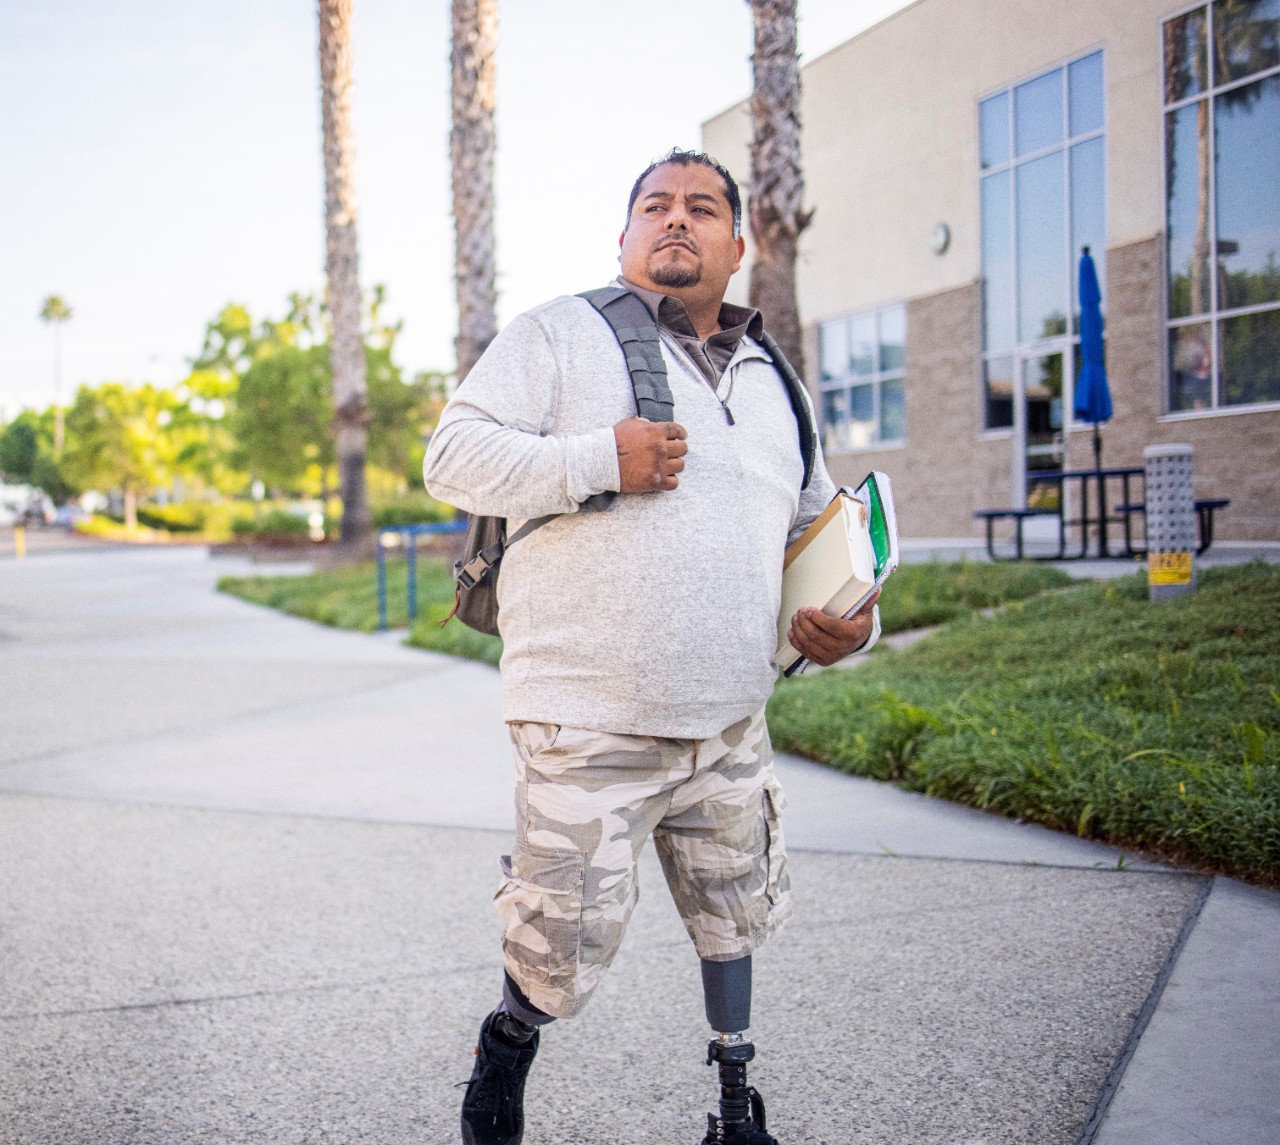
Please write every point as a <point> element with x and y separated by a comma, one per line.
<point>776,193</point>
<point>471,146</point>
<point>350,398</point>
<point>55,311</point>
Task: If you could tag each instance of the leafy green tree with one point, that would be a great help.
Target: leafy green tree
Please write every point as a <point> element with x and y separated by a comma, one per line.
<point>27,453</point>
<point>19,448</point>
<point>282,415</point>
<point>116,441</point>
<point>230,342</point>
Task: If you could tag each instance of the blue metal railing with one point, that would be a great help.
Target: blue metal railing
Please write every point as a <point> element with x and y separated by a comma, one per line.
<point>406,536</point>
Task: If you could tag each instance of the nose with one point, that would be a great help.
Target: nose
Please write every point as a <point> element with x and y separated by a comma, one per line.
<point>677,219</point>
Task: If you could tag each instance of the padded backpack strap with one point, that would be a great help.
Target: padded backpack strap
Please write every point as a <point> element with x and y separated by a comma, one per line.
<point>799,398</point>
<point>637,334</point>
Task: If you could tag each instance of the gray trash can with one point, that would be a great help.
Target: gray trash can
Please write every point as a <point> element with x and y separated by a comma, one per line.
<point>1171,521</point>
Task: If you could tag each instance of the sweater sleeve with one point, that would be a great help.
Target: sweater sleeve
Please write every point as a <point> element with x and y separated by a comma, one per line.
<point>492,454</point>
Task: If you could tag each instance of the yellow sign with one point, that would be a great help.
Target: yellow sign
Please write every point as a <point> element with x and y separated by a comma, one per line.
<point>1169,568</point>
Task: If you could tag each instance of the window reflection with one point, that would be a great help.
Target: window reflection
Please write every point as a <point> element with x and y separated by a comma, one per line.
<point>1190,367</point>
<point>1185,60</point>
<point>1249,357</point>
<point>1246,37</point>
<point>1223,222</point>
<point>862,416</point>
<point>862,345</point>
<point>893,410</point>
<point>1042,270</point>
<point>1088,213</point>
<point>833,349</point>
<point>993,130</point>
<point>1037,113</point>
<point>893,338</point>
<point>997,264</point>
<point>835,419</point>
<point>1084,84</point>
<point>1042,382</point>
<point>1248,193</point>
<point>863,399</point>
<point>1187,184</point>
<point>998,391</point>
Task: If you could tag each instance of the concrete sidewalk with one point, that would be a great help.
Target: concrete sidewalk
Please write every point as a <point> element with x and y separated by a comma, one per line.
<point>248,868</point>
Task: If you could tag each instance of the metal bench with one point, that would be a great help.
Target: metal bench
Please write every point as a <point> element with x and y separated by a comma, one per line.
<point>1018,517</point>
<point>1205,509</point>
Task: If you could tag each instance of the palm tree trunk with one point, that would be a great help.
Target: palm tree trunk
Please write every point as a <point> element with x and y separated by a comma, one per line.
<point>471,147</point>
<point>777,183</point>
<point>59,423</point>
<point>350,399</point>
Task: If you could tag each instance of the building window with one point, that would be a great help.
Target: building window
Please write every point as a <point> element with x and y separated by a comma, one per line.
<point>1043,197</point>
<point>1222,204</point>
<point>863,358</point>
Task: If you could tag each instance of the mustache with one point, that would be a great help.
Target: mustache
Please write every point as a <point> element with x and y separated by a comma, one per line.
<point>679,240</point>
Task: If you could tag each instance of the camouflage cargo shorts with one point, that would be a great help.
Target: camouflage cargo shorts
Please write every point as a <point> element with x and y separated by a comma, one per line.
<point>585,804</point>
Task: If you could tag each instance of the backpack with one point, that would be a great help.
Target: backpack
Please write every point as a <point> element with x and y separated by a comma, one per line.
<point>476,575</point>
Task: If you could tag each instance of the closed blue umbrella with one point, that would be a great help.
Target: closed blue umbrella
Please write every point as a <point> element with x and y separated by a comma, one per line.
<point>1093,395</point>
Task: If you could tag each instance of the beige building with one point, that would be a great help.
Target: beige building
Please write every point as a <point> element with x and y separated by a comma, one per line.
<point>958,156</point>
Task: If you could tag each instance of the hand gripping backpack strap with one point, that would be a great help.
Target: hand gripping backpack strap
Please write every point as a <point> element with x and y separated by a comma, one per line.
<point>475,597</point>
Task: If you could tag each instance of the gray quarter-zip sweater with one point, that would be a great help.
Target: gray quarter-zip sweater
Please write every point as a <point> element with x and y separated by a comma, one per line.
<point>658,615</point>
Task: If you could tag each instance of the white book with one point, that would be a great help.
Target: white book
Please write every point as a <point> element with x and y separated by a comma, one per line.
<point>839,560</point>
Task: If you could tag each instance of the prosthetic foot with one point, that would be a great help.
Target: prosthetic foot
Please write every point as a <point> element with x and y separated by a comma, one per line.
<point>741,1120</point>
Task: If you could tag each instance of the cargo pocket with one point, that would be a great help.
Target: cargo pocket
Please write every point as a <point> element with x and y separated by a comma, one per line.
<point>540,906</point>
<point>532,738</point>
<point>777,882</point>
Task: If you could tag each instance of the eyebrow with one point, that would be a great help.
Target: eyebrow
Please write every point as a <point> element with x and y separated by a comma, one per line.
<point>700,196</point>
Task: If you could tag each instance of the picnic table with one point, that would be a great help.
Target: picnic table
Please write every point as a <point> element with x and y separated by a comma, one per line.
<point>1089,512</point>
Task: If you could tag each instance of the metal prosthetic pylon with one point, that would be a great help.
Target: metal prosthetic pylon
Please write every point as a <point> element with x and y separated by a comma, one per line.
<point>741,1120</point>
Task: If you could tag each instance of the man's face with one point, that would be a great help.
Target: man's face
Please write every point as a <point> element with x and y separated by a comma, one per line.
<point>679,239</point>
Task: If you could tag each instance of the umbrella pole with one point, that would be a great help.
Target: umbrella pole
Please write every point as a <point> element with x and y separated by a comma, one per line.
<point>1102,492</point>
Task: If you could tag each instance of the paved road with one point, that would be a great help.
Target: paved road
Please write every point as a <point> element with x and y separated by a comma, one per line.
<point>248,863</point>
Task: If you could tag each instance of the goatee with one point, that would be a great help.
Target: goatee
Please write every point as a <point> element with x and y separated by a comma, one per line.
<point>675,276</point>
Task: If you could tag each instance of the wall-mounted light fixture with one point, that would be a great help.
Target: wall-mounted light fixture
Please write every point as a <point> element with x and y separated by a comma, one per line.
<point>940,238</point>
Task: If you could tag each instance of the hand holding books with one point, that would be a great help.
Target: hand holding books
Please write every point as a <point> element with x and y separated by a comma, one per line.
<point>833,573</point>
<point>824,640</point>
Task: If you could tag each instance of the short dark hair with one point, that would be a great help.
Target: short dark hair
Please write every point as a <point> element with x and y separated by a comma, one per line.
<point>683,158</point>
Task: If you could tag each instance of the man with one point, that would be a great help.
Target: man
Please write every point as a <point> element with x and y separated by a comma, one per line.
<point>638,641</point>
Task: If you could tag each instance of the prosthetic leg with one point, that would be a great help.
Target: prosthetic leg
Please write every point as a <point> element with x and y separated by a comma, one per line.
<point>726,988</point>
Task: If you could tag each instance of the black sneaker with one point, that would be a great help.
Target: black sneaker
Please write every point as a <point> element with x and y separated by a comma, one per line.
<point>493,1108</point>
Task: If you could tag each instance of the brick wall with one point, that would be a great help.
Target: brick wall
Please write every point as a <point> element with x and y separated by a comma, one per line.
<point>1237,455</point>
<point>947,468</point>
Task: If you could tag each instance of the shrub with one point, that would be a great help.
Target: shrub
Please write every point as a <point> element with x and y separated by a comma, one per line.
<point>411,509</point>
<point>188,517</point>
<point>275,524</point>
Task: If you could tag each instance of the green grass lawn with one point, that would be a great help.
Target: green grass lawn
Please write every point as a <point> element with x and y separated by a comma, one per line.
<point>1154,726</point>
<point>920,595</point>
<point>348,598</point>
<point>1081,706</point>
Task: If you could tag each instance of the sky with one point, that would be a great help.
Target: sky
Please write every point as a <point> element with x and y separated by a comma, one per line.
<point>159,160</point>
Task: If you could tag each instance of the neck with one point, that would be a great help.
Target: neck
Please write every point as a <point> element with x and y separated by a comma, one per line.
<point>703,310</point>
